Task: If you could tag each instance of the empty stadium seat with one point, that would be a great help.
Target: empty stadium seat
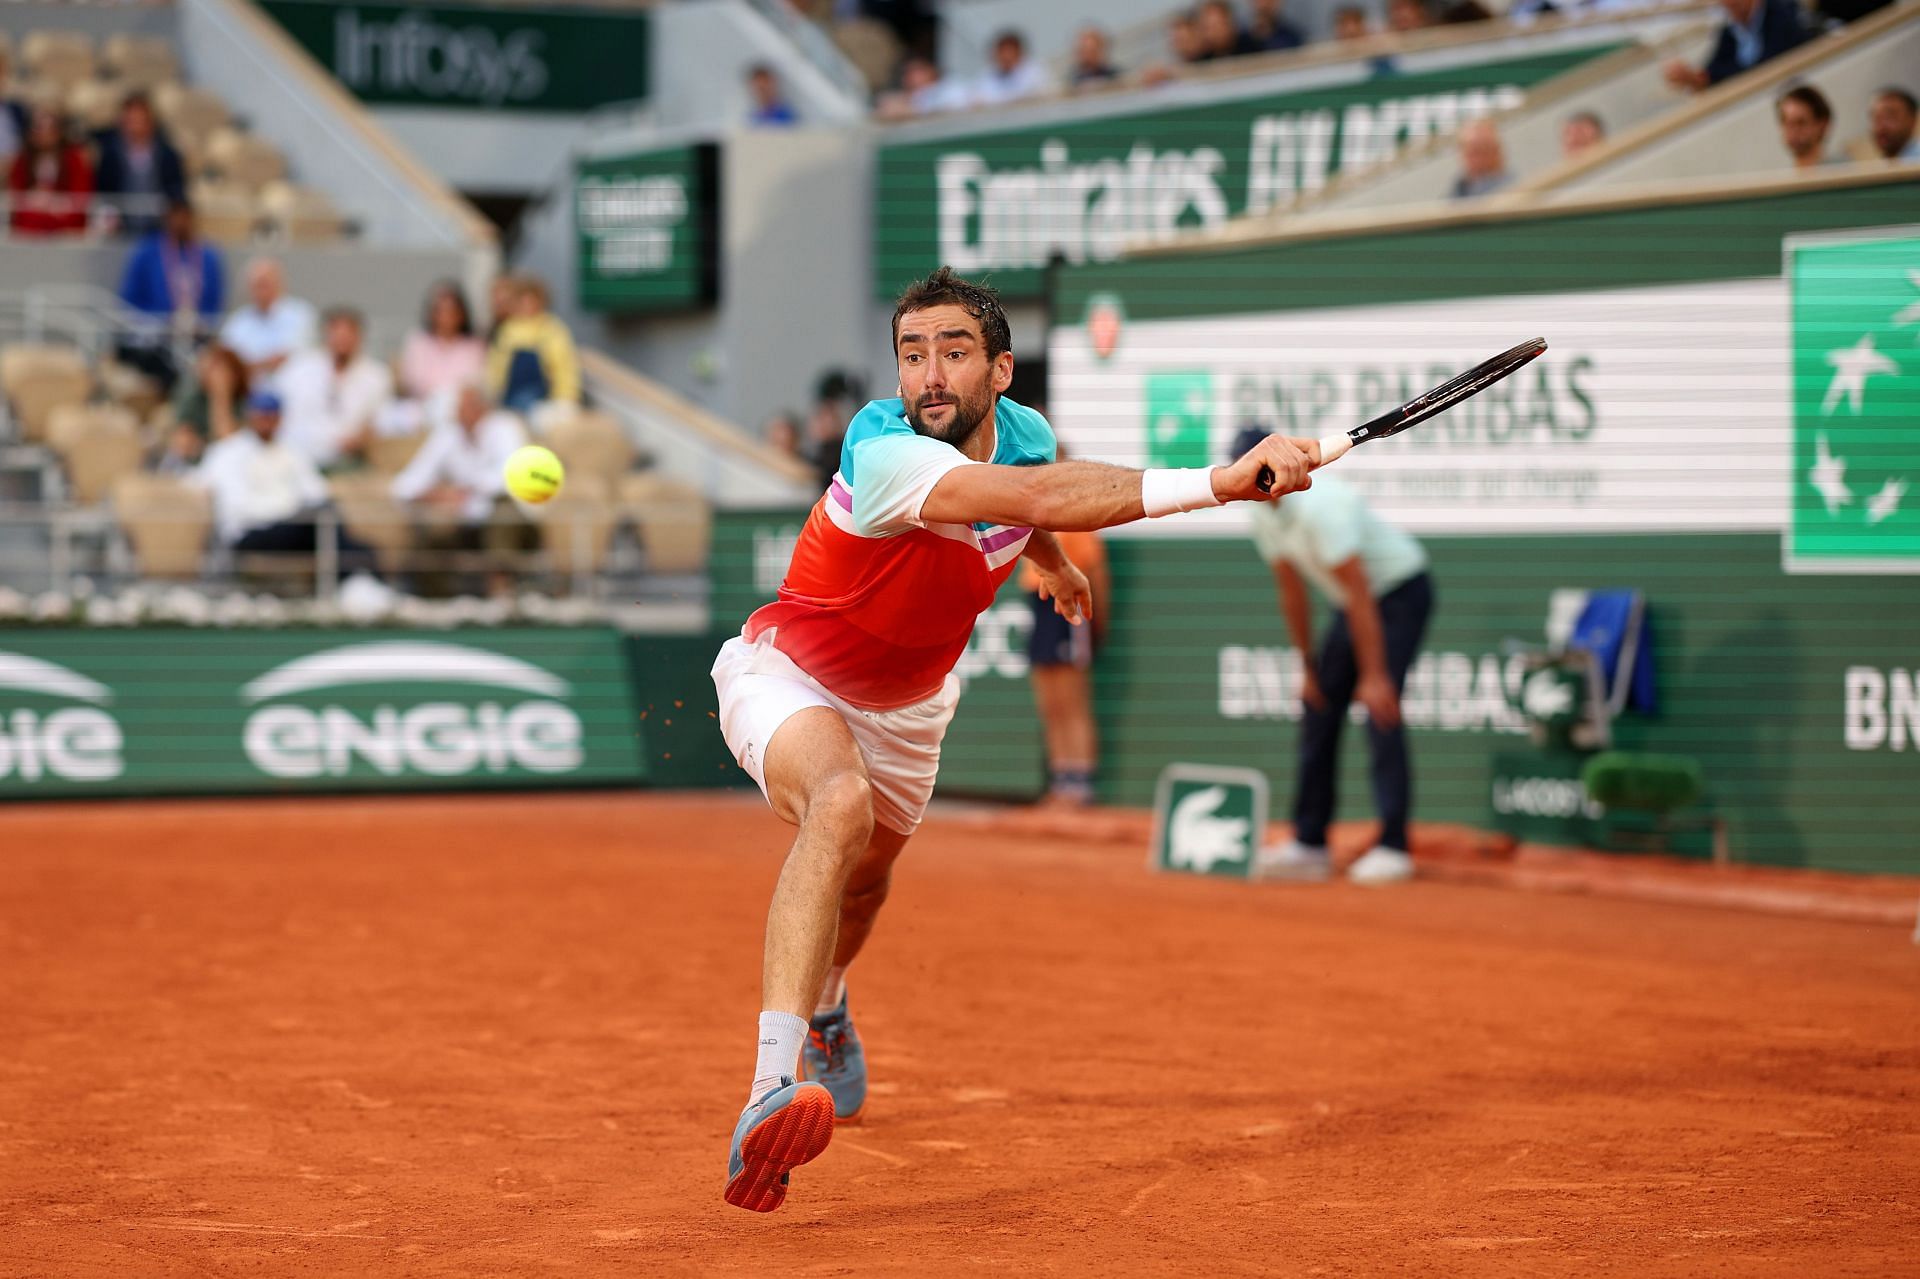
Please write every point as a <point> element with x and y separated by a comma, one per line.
<point>370,512</point>
<point>60,57</point>
<point>189,112</point>
<point>99,443</point>
<point>128,386</point>
<point>301,214</point>
<point>241,158</point>
<point>228,213</point>
<point>590,443</point>
<point>39,379</point>
<point>576,527</point>
<point>389,454</point>
<point>95,104</point>
<point>166,521</point>
<point>673,519</point>
<point>145,61</point>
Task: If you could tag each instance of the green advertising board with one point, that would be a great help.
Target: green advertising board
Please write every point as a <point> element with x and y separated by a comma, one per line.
<point>1003,203</point>
<point>492,57</point>
<point>649,229</point>
<point>1856,403</point>
<point>107,711</point>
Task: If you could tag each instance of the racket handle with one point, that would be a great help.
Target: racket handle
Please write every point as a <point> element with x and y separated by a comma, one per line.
<point>1332,448</point>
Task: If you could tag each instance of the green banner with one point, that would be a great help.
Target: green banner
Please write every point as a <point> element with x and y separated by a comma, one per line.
<point>192,711</point>
<point>1004,203</point>
<point>1856,402</point>
<point>494,57</point>
<point>649,228</point>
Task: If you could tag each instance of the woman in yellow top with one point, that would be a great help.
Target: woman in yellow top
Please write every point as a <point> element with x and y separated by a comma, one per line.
<point>1061,660</point>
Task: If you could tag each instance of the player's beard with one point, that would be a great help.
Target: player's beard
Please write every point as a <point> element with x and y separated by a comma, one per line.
<point>968,414</point>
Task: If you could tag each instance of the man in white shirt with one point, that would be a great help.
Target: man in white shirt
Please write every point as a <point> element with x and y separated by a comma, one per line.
<point>1012,76</point>
<point>272,326</point>
<point>1375,577</point>
<point>265,495</point>
<point>456,488</point>
<point>334,393</point>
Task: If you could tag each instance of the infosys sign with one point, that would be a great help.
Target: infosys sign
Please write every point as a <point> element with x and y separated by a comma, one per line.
<point>180,712</point>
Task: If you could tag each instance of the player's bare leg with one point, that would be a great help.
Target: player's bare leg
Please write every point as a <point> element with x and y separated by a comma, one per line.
<point>817,779</point>
<point>834,1055</point>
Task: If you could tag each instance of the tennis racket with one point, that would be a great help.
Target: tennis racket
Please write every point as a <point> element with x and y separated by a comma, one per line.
<point>1421,407</point>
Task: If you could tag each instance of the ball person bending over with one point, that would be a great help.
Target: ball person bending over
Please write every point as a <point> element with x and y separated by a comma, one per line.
<point>835,696</point>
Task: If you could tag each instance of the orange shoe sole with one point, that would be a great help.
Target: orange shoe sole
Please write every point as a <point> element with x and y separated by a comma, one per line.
<point>781,1143</point>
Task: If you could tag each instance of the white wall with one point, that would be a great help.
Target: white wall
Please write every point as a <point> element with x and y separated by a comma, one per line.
<point>794,273</point>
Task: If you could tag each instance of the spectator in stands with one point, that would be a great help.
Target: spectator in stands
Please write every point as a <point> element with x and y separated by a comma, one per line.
<point>1460,11</point>
<point>782,433</point>
<point>1220,33</point>
<point>838,394</point>
<point>1805,116</point>
<point>770,107</point>
<point>1754,31</point>
<point>1579,132</point>
<point>1890,119</point>
<point>271,326</point>
<point>207,407</point>
<point>499,304</point>
<point>455,487</point>
<point>1184,47</point>
<point>51,181</point>
<point>1268,30</point>
<point>922,91</point>
<point>1483,161</point>
<point>173,280</point>
<point>333,394</point>
<point>442,354</point>
<point>1092,60</point>
<point>13,117</point>
<point>1408,15</point>
<point>533,359</point>
<point>1350,22</point>
<point>138,167</point>
<point>265,494</point>
<point>1012,76</point>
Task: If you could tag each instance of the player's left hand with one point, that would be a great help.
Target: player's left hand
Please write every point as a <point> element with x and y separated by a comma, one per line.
<point>1067,587</point>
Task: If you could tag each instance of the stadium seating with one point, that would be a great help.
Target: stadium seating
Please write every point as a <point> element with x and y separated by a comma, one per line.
<point>99,445</point>
<point>166,522</point>
<point>39,379</point>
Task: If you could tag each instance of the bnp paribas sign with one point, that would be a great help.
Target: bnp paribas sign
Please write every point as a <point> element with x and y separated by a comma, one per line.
<point>184,712</point>
<point>1004,203</point>
<point>1856,402</point>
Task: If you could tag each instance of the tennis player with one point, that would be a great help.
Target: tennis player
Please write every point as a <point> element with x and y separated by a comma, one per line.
<point>835,697</point>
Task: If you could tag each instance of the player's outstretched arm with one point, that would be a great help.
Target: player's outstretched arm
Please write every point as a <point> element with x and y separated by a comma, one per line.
<point>1078,496</point>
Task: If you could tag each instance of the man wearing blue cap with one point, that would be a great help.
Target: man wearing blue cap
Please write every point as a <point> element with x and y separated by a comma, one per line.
<point>1375,577</point>
<point>265,495</point>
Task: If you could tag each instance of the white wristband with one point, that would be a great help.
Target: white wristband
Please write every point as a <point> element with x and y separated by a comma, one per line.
<point>1167,491</point>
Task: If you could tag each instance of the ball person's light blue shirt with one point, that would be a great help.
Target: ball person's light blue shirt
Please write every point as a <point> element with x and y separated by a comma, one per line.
<point>1329,524</point>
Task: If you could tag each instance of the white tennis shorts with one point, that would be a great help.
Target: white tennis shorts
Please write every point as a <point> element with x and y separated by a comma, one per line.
<point>761,687</point>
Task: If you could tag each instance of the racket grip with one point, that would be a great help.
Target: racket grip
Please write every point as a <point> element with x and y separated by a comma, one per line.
<point>1332,448</point>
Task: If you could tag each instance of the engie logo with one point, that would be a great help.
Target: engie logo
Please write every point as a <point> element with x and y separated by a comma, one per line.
<point>73,743</point>
<point>393,734</point>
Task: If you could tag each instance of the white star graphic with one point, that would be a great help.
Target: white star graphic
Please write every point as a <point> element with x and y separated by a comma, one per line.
<point>1882,504</point>
<point>1852,366</point>
<point>1909,314</point>
<point>1829,476</point>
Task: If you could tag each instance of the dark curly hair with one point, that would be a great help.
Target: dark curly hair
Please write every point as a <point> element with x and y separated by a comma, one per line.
<point>944,288</point>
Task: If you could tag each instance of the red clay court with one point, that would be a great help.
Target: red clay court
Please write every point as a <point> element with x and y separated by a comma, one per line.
<point>508,1036</point>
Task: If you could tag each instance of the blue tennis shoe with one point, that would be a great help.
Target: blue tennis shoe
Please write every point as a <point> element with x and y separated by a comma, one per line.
<point>833,1056</point>
<point>788,1127</point>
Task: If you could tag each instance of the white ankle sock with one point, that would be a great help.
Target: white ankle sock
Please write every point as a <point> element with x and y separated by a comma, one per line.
<point>781,1035</point>
<point>832,991</point>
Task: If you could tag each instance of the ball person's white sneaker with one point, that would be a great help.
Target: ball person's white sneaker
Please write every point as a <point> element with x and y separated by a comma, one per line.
<point>1294,860</point>
<point>1381,865</point>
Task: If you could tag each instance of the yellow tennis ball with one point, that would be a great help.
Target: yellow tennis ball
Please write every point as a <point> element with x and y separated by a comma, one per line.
<point>534,474</point>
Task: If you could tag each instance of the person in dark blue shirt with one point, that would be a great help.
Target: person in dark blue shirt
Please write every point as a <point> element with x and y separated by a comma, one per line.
<point>770,105</point>
<point>1269,30</point>
<point>139,173</point>
<point>1755,31</point>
